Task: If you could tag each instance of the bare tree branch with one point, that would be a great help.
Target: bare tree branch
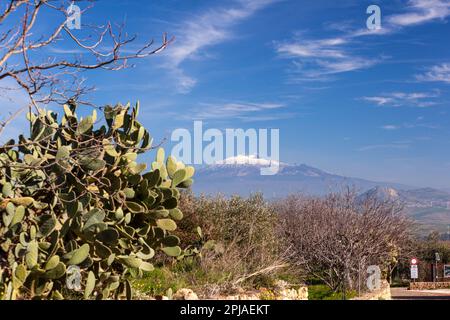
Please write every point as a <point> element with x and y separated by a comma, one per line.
<point>56,79</point>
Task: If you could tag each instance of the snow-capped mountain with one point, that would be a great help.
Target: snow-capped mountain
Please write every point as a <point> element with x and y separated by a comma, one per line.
<point>242,175</point>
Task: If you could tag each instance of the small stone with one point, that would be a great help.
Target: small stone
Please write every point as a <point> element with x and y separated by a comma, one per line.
<point>281,285</point>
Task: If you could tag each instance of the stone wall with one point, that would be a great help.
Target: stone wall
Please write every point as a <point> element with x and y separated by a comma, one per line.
<point>281,291</point>
<point>428,285</point>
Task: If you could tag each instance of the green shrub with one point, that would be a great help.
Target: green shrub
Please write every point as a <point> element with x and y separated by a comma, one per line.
<point>238,244</point>
<point>73,195</point>
<point>323,292</point>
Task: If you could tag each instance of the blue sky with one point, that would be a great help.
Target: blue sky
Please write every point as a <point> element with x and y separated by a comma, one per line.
<point>370,104</point>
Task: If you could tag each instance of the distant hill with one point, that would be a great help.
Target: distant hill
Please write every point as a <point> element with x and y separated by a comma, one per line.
<point>430,207</point>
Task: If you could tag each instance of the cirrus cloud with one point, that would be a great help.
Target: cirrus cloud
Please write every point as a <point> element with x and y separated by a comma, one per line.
<point>437,73</point>
<point>405,99</point>
<point>210,28</point>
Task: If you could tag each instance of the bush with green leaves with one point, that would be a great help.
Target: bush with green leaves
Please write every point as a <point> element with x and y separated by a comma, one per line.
<point>73,194</point>
<point>238,243</point>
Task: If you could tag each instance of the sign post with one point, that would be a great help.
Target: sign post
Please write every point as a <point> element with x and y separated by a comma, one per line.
<point>414,269</point>
<point>436,274</point>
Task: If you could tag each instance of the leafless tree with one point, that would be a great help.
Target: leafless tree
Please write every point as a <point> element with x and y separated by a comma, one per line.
<point>24,52</point>
<point>335,238</point>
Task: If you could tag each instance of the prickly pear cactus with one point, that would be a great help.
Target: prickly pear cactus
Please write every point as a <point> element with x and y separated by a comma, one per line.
<point>74,197</point>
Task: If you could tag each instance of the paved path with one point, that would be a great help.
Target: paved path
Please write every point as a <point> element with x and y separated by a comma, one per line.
<point>405,294</point>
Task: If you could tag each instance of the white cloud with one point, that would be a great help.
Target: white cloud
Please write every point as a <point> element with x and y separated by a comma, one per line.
<point>381,101</point>
<point>416,12</point>
<point>248,159</point>
<point>399,99</point>
<point>347,64</point>
<point>184,83</point>
<point>274,117</point>
<point>316,59</point>
<point>419,122</point>
<point>421,11</point>
<point>247,111</point>
<point>210,28</point>
<point>326,48</point>
<point>394,145</point>
<point>437,73</point>
<point>420,125</point>
<point>367,32</point>
<point>390,127</point>
<point>66,51</point>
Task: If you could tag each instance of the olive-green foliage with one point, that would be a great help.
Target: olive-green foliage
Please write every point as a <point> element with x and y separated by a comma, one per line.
<point>74,195</point>
<point>238,237</point>
<point>245,221</point>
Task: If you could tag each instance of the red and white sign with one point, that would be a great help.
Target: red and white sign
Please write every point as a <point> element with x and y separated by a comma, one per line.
<point>414,261</point>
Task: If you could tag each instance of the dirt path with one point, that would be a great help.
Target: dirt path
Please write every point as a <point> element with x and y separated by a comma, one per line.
<point>405,294</point>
